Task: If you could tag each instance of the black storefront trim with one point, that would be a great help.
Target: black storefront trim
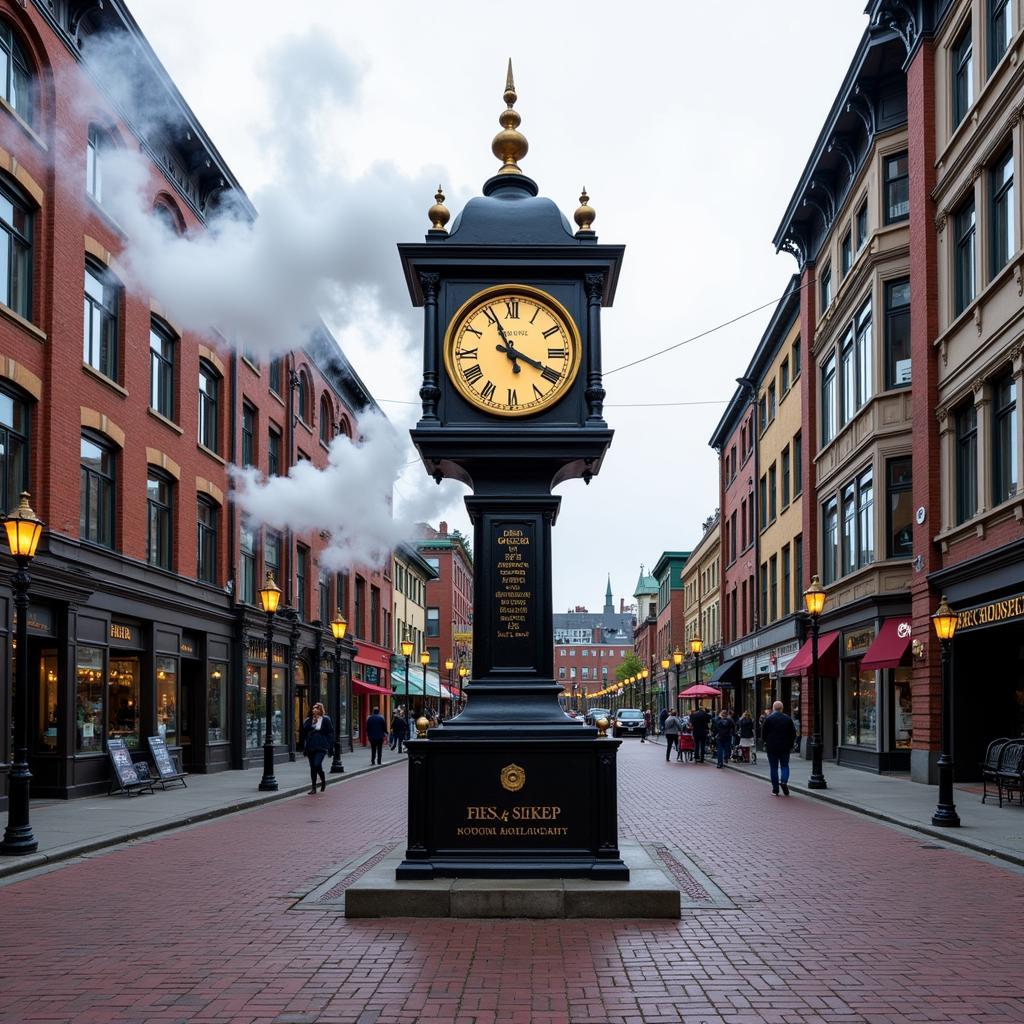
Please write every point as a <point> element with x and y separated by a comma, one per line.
<point>994,574</point>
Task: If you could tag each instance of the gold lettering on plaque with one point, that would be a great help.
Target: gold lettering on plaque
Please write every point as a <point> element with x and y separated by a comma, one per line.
<point>512,596</point>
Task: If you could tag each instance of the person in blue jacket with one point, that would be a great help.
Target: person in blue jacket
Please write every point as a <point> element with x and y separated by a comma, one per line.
<point>376,733</point>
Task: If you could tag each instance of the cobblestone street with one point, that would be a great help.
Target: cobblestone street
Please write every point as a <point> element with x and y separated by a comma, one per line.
<point>835,918</point>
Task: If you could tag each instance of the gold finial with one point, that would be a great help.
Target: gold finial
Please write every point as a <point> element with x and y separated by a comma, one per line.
<point>422,725</point>
<point>584,216</point>
<point>509,145</point>
<point>438,213</point>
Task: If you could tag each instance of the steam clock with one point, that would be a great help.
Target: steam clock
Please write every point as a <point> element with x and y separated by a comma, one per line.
<point>512,406</point>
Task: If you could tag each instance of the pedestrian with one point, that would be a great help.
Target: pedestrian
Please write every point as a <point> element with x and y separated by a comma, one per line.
<point>648,722</point>
<point>724,727</point>
<point>670,728</point>
<point>376,731</point>
<point>779,735</point>
<point>399,728</point>
<point>796,740</point>
<point>662,715</point>
<point>317,740</point>
<point>745,728</point>
<point>700,721</point>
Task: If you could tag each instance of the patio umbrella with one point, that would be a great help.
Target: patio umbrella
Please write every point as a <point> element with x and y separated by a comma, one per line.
<point>700,690</point>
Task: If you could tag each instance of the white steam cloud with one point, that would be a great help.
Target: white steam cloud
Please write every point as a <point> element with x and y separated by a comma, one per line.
<point>323,245</point>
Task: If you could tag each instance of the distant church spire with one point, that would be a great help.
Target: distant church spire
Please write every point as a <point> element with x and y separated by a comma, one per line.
<point>609,608</point>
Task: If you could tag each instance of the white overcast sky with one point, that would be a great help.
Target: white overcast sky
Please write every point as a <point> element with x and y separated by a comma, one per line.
<point>689,124</point>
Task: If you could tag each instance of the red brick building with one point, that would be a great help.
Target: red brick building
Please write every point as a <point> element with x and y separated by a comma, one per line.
<point>143,617</point>
<point>449,598</point>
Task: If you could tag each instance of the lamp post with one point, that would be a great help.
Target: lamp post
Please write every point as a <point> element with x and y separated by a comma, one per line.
<point>463,672</point>
<point>814,602</point>
<point>270,598</point>
<point>339,627</point>
<point>449,664</point>
<point>425,661</point>
<point>944,621</point>
<point>665,662</point>
<point>677,660</point>
<point>645,674</point>
<point>24,528</point>
<point>696,646</point>
<point>407,646</point>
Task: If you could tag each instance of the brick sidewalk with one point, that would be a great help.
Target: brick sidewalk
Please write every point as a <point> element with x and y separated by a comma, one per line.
<point>835,919</point>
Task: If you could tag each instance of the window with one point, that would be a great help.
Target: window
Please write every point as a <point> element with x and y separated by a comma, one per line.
<point>845,254</point>
<point>795,360</point>
<point>798,571</point>
<point>826,288</point>
<point>897,333</point>
<point>897,188</point>
<point>1001,212</point>
<point>360,604</point>
<point>96,144</point>
<point>1000,31</point>
<point>763,503</point>
<point>862,225</point>
<point>848,379</point>
<point>161,370</point>
<point>772,402</point>
<point>828,399</point>
<point>787,583</point>
<point>272,554</point>
<point>961,55</point>
<point>96,520</point>
<point>732,538</point>
<point>15,73</point>
<point>848,552</point>
<point>274,452</point>
<point>206,540</point>
<point>900,527</point>
<point>90,673</point>
<point>15,253</point>
<point>217,702</point>
<point>303,408</point>
<point>963,257</point>
<point>14,426</point>
<point>797,464</point>
<point>762,412</point>
<point>302,582</point>
<point>864,360</point>
<point>158,519</point>
<point>773,588</point>
<point>829,541</point>
<point>275,375</point>
<point>326,420</point>
<point>100,325</point>
<point>374,614</point>
<point>341,593</point>
<point>209,406</point>
<point>433,622</point>
<point>324,593</point>
<point>1004,440</point>
<point>772,481</point>
<point>784,376</point>
<point>966,463</point>
<point>785,476</point>
<point>247,570</point>
<point>248,435</point>
<point>764,588</point>
<point>865,520</point>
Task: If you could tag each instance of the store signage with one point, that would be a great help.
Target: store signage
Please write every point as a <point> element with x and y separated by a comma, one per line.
<point>764,663</point>
<point>785,654</point>
<point>994,613</point>
<point>39,620</point>
<point>161,758</point>
<point>462,636</point>
<point>748,667</point>
<point>187,646</point>
<point>124,635</point>
<point>124,770</point>
<point>859,641</point>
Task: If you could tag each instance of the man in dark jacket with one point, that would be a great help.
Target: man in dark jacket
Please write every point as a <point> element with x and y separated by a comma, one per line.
<point>662,715</point>
<point>724,727</point>
<point>779,734</point>
<point>700,722</point>
<point>376,733</point>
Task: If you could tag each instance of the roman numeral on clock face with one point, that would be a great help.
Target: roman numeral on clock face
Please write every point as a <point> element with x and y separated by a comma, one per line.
<point>550,375</point>
<point>473,330</point>
<point>489,313</point>
<point>537,391</point>
<point>468,353</point>
<point>554,353</point>
<point>550,331</point>
<point>512,309</point>
<point>487,391</point>
<point>513,398</point>
<point>472,373</point>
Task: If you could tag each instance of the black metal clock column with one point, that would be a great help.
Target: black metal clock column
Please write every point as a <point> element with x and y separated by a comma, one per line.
<point>512,406</point>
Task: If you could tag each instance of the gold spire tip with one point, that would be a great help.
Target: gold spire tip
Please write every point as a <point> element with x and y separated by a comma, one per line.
<point>438,213</point>
<point>584,215</point>
<point>509,145</point>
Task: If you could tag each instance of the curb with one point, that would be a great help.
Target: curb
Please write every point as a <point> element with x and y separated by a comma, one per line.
<point>19,865</point>
<point>951,836</point>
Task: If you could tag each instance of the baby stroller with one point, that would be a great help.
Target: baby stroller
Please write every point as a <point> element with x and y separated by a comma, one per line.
<point>737,752</point>
<point>685,750</point>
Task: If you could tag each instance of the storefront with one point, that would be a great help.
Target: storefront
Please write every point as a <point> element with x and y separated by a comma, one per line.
<point>370,686</point>
<point>255,696</point>
<point>798,675</point>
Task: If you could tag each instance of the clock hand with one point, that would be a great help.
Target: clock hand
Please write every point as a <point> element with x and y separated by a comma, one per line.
<point>514,353</point>
<point>497,323</point>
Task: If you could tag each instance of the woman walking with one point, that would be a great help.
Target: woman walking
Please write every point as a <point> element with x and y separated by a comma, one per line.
<point>317,741</point>
<point>745,728</point>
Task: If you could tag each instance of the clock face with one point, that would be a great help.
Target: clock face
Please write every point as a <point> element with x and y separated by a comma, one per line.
<point>512,350</point>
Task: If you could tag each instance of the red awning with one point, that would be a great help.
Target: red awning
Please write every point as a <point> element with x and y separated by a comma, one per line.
<point>890,646</point>
<point>360,687</point>
<point>370,654</point>
<point>828,657</point>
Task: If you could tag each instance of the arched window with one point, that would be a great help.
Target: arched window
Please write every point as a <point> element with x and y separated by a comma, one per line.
<point>15,73</point>
<point>344,426</point>
<point>304,397</point>
<point>169,217</point>
<point>16,251</point>
<point>161,366</point>
<point>209,406</point>
<point>326,420</point>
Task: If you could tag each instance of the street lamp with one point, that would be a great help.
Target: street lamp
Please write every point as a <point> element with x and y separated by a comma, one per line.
<point>463,672</point>
<point>677,660</point>
<point>270,598</point>
<point>407,654</point>
<point>814,602</point>
<point>696,646</point>
<point>339,627</point>
<point>425,661</point>
<point>645,674</point>
<point>944,620</point>
<point>665,662</point>
<point>24,528</point>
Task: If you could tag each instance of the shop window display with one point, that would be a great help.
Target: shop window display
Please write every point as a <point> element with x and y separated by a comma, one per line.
<point>860,708</point>
<point>217,703</point>
<point>89,700</point>
<point>167,700</point>
<point>47,739</point>
<point>255,709</point>
<point>903,723</point>
<point>123,701</point>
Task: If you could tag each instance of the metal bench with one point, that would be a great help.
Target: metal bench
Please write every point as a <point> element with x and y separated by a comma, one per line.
<point>1010,776</point>
<point>990,766</point>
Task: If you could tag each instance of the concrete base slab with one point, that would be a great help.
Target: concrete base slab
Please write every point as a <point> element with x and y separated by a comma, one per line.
<point>649,893</point>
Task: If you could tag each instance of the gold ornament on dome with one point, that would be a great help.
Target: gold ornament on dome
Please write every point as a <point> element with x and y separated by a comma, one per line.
<point>513,778</point>
<point>439,214</point>
<point>509,145</point>
<point>584,215</point>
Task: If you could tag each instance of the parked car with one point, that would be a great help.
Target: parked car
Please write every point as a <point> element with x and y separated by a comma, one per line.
<point>628,722</point>
<point>594,714</point>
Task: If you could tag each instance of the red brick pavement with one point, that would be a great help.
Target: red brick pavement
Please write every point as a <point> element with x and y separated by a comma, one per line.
<point>838,919</point>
